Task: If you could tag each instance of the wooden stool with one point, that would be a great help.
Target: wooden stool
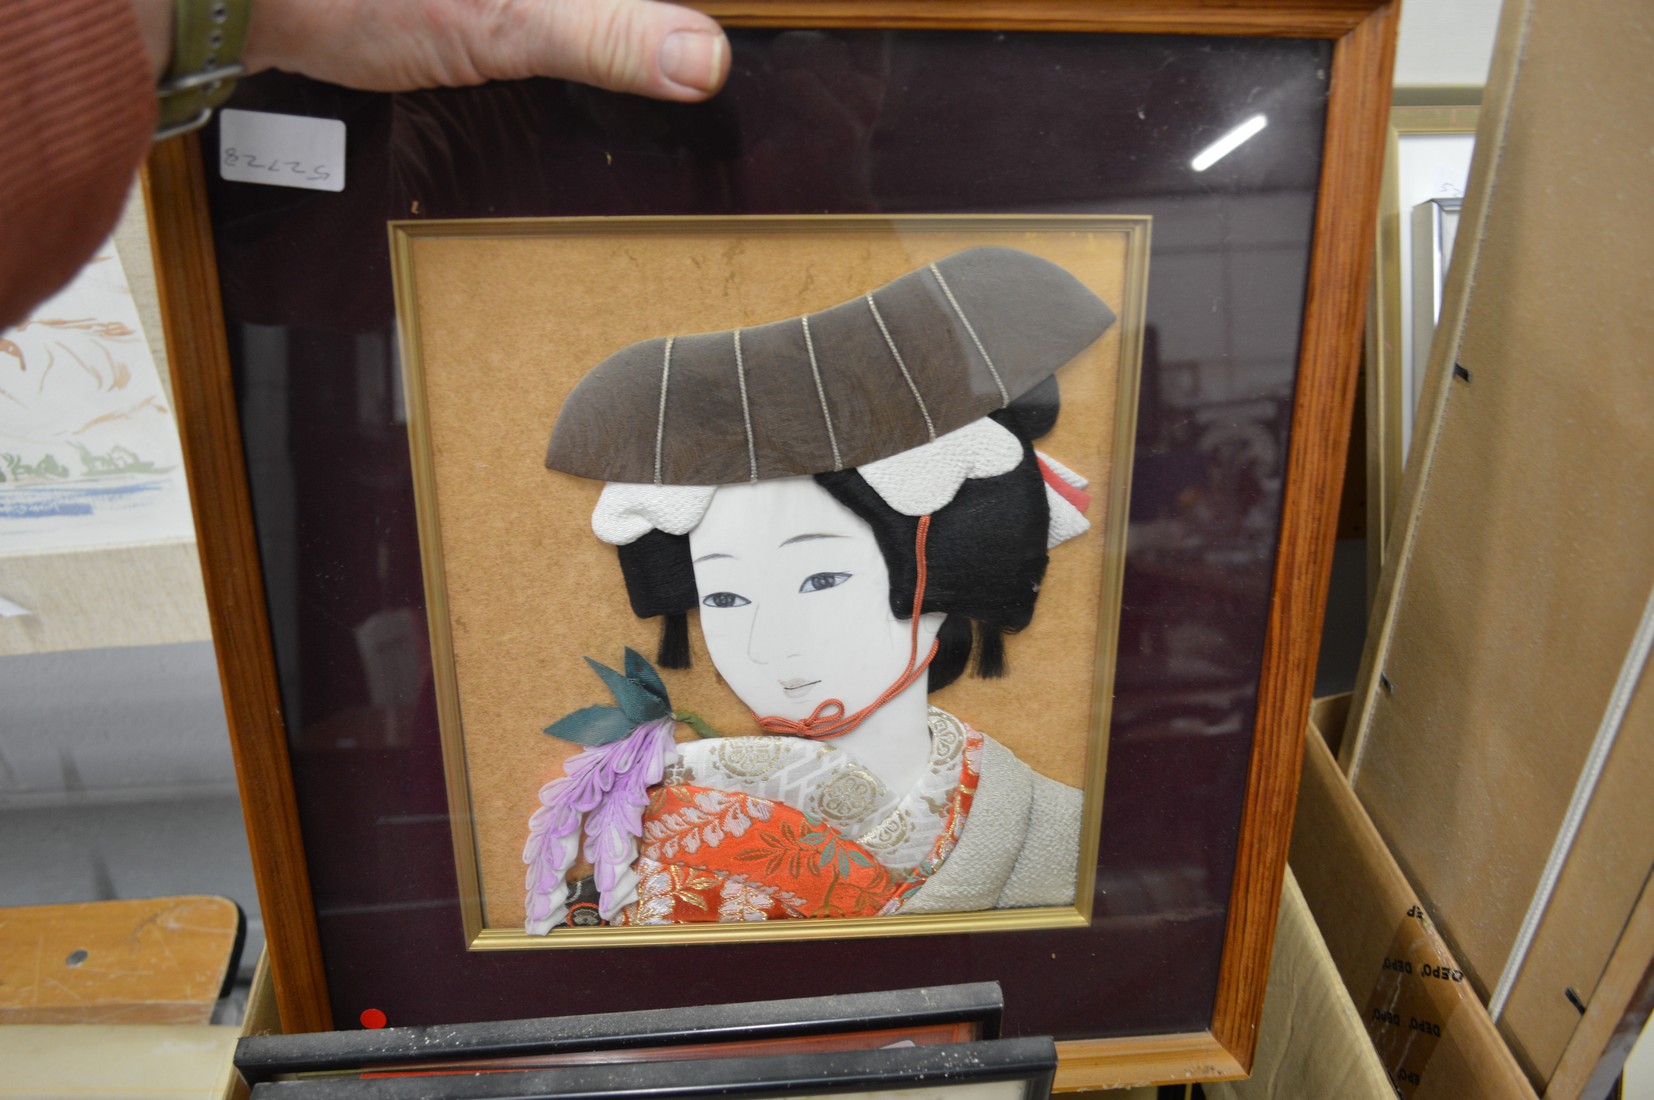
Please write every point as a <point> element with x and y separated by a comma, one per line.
<point>154,961</point>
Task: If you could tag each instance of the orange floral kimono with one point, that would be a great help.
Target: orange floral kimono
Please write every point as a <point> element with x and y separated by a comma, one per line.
<point>775,827</point>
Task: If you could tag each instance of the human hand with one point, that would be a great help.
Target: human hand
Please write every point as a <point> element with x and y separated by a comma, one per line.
<point>642,46</point>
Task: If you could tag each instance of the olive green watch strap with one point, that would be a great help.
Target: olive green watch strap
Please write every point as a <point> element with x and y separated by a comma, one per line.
<point>208,36</point>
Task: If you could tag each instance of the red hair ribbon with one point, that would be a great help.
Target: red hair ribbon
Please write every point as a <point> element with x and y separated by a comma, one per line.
<point>1079,498</point>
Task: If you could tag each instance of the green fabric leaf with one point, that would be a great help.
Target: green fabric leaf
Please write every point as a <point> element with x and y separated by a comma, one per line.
<point>639,670</point>
<point>636,701</point>
<point>593,726</point>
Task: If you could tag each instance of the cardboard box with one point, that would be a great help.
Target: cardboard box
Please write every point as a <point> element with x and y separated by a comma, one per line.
<point>1434,1038</point>
<point>1503,729</point>
<point>261,1018</point>
<point>1311,1041</point>
<point>116,1061</point>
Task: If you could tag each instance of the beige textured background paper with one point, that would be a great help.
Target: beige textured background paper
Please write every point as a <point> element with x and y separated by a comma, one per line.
<point>508,322</point>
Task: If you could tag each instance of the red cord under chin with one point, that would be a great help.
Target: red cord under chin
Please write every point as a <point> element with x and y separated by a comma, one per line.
<point>828,720</point>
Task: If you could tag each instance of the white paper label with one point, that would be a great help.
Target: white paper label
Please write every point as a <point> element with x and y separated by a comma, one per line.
<point>9,610</point>
<point>282,150</point>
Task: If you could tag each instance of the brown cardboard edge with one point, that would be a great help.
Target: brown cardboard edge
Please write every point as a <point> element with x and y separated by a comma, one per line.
<point>1311,1041</point>
<point>1491,127</point>
<point>1620,1006</point>
<point>1358,894</point>
<point>1624,998</point>
<point>261,1018</point>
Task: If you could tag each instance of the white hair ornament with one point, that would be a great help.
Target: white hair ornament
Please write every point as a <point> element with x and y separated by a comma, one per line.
<point>923,479</point>
<point>626,512</point>
<point>917,482</point>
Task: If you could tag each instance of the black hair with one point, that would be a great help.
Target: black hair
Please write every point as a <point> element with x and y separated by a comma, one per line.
<point>985,555</point>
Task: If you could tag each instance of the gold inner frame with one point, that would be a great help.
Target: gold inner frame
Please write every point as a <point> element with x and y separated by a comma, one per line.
<point>460,766</point>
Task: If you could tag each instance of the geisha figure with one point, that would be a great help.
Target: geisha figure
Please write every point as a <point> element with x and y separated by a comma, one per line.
<point>851,504</point>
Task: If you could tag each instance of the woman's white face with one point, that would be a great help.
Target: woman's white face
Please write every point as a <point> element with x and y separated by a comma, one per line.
<point>795,599</point>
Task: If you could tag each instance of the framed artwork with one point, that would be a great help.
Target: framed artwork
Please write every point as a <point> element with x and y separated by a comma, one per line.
<point>1427,162</point>
<point>501,508</point>
<point>845,820</point>
<point>942,1015</point>
<point>994,1069</point>
<point>96,538</point>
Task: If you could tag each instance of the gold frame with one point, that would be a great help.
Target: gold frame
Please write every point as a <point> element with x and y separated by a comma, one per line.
<point>1132,314</point>
<point>1384,385</point>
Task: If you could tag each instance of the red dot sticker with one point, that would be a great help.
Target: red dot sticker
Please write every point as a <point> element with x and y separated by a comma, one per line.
<point>372,1019</point>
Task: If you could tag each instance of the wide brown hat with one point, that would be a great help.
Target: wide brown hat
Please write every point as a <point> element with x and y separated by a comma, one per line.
<point>919,357</point>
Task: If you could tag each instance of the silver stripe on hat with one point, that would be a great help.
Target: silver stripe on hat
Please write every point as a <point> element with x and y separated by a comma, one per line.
<point>1004,398</point>
<point>660,421</point>
<point>891,344</point>
<point>821,392</point>
<point>746,410</point>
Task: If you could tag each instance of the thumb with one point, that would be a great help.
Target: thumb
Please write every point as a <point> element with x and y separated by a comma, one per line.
<point>640,46</point>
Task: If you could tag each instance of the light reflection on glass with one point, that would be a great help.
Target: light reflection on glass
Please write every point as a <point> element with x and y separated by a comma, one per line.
<point>1228,143</point>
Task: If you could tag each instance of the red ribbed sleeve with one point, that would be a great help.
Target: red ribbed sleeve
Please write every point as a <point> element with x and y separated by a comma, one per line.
<point>79,108</point>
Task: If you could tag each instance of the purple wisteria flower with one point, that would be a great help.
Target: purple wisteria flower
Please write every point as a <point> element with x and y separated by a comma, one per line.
<point>606,787</point>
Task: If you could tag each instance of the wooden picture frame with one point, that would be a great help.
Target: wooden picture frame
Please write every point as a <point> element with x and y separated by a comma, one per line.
<point>1198,1019</point>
